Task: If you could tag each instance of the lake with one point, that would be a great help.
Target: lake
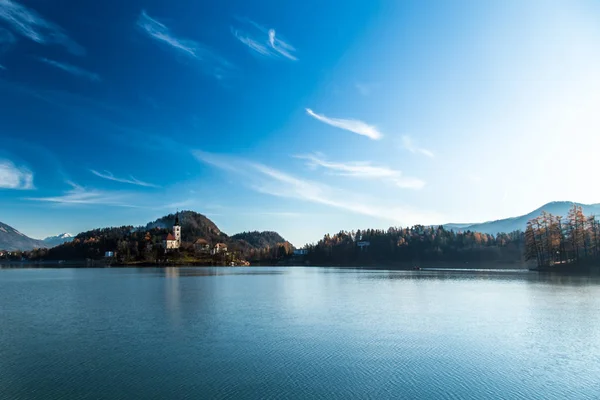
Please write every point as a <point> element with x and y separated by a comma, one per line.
<point>297,332</point>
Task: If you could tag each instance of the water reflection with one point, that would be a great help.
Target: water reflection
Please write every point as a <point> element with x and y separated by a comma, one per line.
<point>478,275</point>
<point>172,272</point>
<point>173,295</point>
<point>188,302</point>
<point>561,279</point>
<point>297,333</point>
<point>177,272</point>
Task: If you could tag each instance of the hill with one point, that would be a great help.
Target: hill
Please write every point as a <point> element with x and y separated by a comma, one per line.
<point>519,223</point>
<point>260,240</point>
<point>11,239</point>
<point>142,243</point>
<point>193,226</point>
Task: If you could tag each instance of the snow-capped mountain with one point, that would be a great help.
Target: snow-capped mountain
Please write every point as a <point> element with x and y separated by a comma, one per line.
<point>519,223</point>
<point>52,241</point>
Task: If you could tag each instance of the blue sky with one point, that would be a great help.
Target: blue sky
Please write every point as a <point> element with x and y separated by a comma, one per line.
<point>300,117</point>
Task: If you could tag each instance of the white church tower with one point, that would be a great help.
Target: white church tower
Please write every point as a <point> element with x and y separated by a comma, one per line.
<point>177,231</point>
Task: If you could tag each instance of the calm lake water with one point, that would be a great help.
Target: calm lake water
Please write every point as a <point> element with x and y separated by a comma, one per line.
<point>297,333</point>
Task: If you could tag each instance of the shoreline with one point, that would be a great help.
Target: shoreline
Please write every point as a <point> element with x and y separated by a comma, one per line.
<point>382,266</point>
<point>456,269</point>
<point>429,266</point>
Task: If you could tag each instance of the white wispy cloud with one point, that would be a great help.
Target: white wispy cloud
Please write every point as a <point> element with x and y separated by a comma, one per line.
<point>264,41</point>
<point>271,181</point>
<point>131,180</point>
<point>411,146</point>
<point>213,63</point>
<point>281,46</point>
<point>13,177</point>
<point>351,125</point>
<point>364,170</point>
<point>160,32</point>
<point>255,45</point>
<point>30,24</point>
<point>71,69</point>
<point>79,195</point>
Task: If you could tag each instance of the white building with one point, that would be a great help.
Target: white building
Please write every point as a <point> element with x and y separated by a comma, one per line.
<point>219,248</point>
<point>173,240</point>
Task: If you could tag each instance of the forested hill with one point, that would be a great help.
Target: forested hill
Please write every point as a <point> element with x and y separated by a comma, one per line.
<point>193,226</point>
<point>136,241</point>
<point>416,246</point>
<point>260,239</point>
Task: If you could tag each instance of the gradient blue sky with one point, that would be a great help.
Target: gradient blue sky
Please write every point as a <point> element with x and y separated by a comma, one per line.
<point>300,117</point>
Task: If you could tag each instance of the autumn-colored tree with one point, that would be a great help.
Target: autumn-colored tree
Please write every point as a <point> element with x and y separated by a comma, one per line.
<point>594,228</point>
<point>576,224</point>
<point>532,248</point>
<point>551,239</point>
<point>551,236</point>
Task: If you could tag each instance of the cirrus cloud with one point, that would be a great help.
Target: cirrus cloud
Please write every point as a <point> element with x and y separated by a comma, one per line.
<point>33,26</point>
<point>73,70</point>
<point>79,195</point>
<point>364,170</point>
<point>352,125</point>
<point>274,182</point>
<point>264,41</point>
<point>212,63</point>
<point>131,180</point>
<point>410,145</point>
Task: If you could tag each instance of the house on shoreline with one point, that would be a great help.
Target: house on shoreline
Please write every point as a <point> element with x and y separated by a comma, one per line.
<point>219,249</point>
<point>202,245</point>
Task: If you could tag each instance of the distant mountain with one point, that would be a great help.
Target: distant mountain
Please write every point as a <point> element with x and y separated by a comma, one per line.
<point>52,241</point>
<point>11,239</point>
<point>260,240</point>
<point>508,225</point>
<point>456,227</point>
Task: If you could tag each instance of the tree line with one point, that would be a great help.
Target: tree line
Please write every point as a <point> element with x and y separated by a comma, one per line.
<point>139,244</point>
<point>552,239</point>
<point>415,245</point>
<point>548,240</point>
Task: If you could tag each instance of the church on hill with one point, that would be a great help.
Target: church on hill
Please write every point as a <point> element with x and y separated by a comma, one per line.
<point>173,240</point>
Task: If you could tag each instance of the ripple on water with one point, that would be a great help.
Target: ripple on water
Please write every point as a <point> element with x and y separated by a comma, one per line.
<point>297,333</point>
